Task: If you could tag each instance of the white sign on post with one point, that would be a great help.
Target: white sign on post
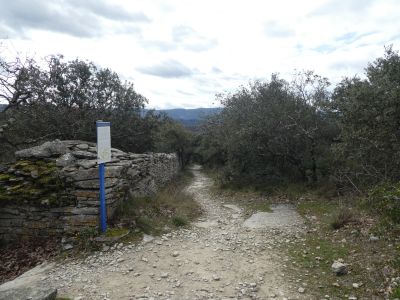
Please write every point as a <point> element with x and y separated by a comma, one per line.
<point>103,142</point>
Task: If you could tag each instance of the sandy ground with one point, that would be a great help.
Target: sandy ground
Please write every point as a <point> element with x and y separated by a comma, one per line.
<point>222,256</point>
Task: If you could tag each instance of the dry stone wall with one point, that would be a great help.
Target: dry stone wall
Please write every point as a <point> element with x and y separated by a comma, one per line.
<point>53,188</point>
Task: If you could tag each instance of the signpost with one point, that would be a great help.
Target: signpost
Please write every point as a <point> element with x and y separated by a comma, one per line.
<point>103,156</point>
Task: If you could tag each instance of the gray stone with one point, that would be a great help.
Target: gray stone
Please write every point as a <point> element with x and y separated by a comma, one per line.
<point>94,183</point>
<point>339,268</point>
<point>29,292</point>
<point>29,286</point>
<point>45,150</point>
<point>67,247</point>
<point>82,146</point>
<point>87,164</point>
<point>373,238</point>
<point>301,290</point>
<point>85,154</point>
<point>147,238</point>
<point>93,173</point>
<point>85,211</point>
<point>233,207</point>
<point>65,160</point>
<point>282,215</point>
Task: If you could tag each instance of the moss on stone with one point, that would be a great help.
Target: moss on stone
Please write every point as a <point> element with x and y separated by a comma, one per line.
<point>5,177</point>
<point>34,182</point>
<point>47,180</point>
<point>39,166</point>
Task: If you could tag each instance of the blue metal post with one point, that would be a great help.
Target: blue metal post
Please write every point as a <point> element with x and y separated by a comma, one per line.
<point>103,211</point>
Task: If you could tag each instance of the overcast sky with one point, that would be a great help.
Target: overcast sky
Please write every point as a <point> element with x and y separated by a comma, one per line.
<point>180,53</point>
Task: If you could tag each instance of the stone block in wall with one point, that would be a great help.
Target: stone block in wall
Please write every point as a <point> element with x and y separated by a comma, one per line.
<point>46,150</point>
<point>12,222</point>
<point>80,220</point>
<point>93,173</point>
<point>87,164</point>
<point>94,183</point>
<point>85,211</point>
<point>88,203</point>
<point>84,154</point>
<point>36,225</point>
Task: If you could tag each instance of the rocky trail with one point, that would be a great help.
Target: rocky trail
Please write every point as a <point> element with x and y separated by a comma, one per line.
<point>221,256</point>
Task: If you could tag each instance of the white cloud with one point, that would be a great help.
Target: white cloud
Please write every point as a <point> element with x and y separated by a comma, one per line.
<point>181,53</point>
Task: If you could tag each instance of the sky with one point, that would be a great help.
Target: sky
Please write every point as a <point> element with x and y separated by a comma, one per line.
<point>181,53</point>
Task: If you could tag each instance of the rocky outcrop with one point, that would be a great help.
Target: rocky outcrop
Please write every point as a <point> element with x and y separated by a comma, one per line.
<point>29,286</point>
<point>53,188</point>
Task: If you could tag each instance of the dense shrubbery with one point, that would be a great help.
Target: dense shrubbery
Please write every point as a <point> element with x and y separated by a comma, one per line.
<point>384,199</point>
<point>273,131</point>
<point>279,131</point>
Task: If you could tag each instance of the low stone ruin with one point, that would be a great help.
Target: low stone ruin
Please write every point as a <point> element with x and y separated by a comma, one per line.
<point>54,188</point>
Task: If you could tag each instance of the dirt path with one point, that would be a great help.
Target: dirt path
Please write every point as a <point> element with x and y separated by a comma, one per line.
<point>218,258</point>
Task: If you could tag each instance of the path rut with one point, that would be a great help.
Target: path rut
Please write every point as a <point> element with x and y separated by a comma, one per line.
<point>217,258</point>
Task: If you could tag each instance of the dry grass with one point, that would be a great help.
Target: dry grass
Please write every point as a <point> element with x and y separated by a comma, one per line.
<point>344,217</point>
<point>171,207</point>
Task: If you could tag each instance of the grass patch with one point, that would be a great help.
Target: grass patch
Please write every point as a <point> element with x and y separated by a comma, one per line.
<point>179,221</point>
<point>340,229</point>
<point>262,206</point>
<point>171,207</point>
<point>396,293</point>
<point>343,217</point>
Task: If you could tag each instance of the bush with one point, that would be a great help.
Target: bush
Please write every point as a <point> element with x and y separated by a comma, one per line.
<point>384,199</point>
<point>395,294</point>
<point>342,218</point>
<point>179,221</point>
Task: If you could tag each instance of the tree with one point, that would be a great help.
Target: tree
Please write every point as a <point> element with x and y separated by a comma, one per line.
<point>368,114</point>
<point>173,137</point>
<point>273,130</point>
<point>64,99</point>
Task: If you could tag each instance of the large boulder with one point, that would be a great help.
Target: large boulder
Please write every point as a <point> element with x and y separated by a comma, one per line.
<point>48,149</point>
<point>29,286</point>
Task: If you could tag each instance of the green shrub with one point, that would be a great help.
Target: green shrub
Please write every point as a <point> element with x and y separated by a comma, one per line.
<point>384,199</point>
<point>396,293</point>
<point>179,221</point>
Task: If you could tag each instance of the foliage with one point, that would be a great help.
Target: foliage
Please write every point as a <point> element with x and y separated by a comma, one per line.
<point>64,99</point>
<point>367,112</point>
<point>272,131</point>
<point>384,200</point>
<point>179,221</point>
<point>173,137</point>
<point>171,206</point>
<point>278,132</point>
